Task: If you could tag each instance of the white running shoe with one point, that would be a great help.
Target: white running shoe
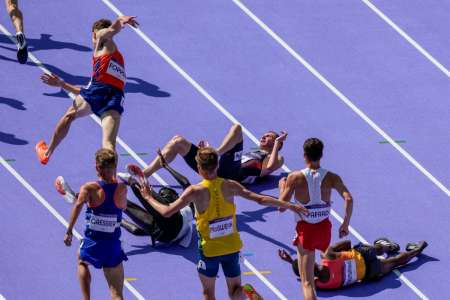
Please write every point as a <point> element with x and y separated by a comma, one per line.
<point>125,177</point>
<point>64,189</point>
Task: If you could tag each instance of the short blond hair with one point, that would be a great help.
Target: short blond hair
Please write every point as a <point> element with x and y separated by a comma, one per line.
<point>207,159</point>
<point>106,158</point>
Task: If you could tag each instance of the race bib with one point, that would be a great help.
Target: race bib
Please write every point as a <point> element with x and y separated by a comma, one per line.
<point>116,70</point>
<point>103,223</point>
<point>350,275</point>
<point>220,227</point>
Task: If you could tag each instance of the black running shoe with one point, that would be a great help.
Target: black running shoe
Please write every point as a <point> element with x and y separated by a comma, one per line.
<point>420,246</point>
<point>393,247</point>
<point>22,48</point>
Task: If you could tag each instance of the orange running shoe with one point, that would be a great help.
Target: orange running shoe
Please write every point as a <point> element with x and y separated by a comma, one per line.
<point>42,148</point>
<point>251,293</point>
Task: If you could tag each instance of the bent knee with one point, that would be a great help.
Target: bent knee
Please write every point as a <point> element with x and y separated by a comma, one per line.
<point>178,141</point>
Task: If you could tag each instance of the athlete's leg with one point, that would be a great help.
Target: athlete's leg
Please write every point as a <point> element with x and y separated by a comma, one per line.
<point>84,276</point>
<point>110,128</point>
<point>114,277</point>
<point>234,285</point>
<point>209,287</point>
<point>306,260</point>
<point>80,108</point>
<point>15,14</point>
<point>233,137</point>
<point>391,263</point>
<point>182,180</point>
<point>178,145</point>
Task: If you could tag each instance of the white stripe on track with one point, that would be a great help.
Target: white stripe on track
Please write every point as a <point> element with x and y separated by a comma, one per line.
<point>33,191</point>
<point>250,135</point>
<point>2,298</point>
<point>408,38</point>
<point>342,97</point>
<point>55,213</point>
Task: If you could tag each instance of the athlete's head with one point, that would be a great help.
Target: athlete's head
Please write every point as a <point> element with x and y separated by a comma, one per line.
<point>313,150</point>
<point>267,141</point>
<point>106,163</point>
<point>207,161</point>
<point>99,25</point>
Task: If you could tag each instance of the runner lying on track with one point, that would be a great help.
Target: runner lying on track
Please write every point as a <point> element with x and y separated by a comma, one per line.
<point>234,164</point>
<point>343,265</point>
<point>147,221</point>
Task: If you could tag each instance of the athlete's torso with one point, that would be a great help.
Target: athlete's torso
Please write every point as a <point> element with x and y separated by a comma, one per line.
<point>345,270</point>
<point>311,195</point>
<point>251,165</point>
<point>216,225</point>
<point>109,69</point>
<point>104,213</point>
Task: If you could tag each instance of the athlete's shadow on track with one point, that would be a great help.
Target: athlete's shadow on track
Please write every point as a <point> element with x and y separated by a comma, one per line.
<point>391,281</point>
<point>7,137</point>
<point>134,85</point>
<point>45,42</point>
<point>190,253</point>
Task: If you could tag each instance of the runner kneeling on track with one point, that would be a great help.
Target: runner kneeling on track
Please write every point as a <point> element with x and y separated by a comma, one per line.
<point>234,164</point>
<point>101,246</point>
<point>147,221</point>
<point>219,240</point>
<point>343,265</point>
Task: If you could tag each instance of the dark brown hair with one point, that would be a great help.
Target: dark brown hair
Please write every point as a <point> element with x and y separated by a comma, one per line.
<point>105,158</point>
<point>313,149</point>
<point>207,159</point>
<point>100,24</point>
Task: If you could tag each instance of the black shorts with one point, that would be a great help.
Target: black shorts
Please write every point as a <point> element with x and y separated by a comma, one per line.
<point>373,263</point>
<point>229,162</point>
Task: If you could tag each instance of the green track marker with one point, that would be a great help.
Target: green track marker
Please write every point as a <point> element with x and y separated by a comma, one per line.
<point>139,153</point>
<point>10,160</point>
<point>397,141</point>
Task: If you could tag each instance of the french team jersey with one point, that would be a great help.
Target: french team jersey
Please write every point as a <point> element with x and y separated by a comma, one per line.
<point>109,69</point>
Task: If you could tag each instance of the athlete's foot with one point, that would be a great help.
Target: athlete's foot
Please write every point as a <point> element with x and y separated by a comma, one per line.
<point>64,189</point>
<point>251,293</point>
<point>22,48</point>
<point>41,151</point>
<point>385,242</point>
<point>419,247</point>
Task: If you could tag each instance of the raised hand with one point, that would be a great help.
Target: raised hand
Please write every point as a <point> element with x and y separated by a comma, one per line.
<point>130,20</point>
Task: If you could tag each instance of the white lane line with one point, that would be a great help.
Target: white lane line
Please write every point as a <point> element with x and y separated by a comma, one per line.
<point>275,290</point>
<point>55,213</point>
<point>203,92</point>
<point>2,298</point>
<point>408,38</point>
<point>143,164</point>
<point>33,191</point>
<point>342,97</point>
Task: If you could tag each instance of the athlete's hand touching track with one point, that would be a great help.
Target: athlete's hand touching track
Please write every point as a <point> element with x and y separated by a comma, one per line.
<point>129,20</point>
<point>52,80</point>
<point>343,230</point>
<point>68,239</point>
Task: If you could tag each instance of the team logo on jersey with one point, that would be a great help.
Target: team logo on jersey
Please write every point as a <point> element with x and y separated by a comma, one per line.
<point>201,265</point>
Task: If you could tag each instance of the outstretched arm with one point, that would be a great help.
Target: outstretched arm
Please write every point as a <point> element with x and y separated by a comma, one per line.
<point>287,188</point>
<point>53,80</point>
<point>348,199</point>
<point>82,198</point>
<point>116,26</point>
<point>167,210</point>
<point>240,190</point>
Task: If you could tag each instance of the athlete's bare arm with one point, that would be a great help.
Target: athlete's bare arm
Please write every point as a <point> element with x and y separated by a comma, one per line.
<point>188,196</point>
<point>274,160</point>
<point>53,80</point>
<point>104,36</point>
<point>83,197</point>
<point>287,187</point>
<point>340,187</point>
<point>239,190</point>
<point>332,251</point>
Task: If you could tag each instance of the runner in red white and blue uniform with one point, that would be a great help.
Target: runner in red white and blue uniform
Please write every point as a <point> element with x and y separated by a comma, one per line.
<point>104,94</point>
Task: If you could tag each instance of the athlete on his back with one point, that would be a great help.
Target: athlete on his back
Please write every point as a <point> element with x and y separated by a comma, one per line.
<point>312,188</point>
<point>104,94</point>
